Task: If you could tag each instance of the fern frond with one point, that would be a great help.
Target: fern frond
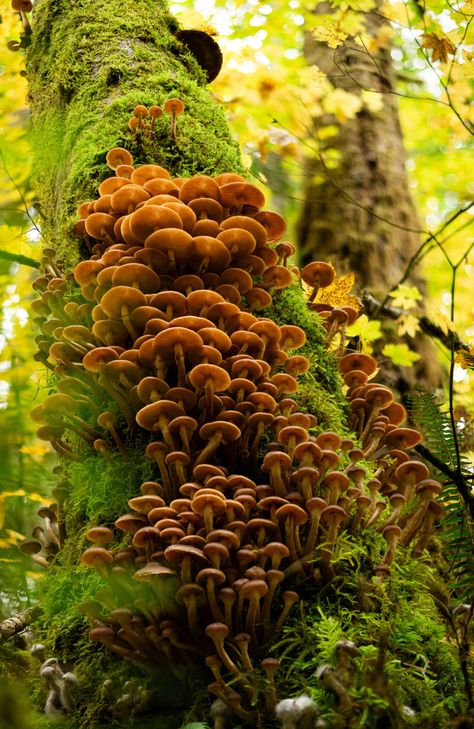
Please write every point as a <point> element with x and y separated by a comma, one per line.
<point>458,530</point>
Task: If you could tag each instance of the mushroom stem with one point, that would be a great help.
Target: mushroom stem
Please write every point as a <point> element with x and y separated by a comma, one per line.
<point>209,449</point>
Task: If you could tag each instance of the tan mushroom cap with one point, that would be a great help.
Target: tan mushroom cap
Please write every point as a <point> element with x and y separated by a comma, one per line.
<point>249,224</point>
<point>144,221</point>
<point>417,470</point>
<point>127,198</point>
<point>124,171</point>
<point>258,299</point>
<point>216,338</point>
<point>408,437</point>
<point>207,208</point>
<point>100,226</point>
<point>199,186</point>
<point>85,272</point>
<point>153,570</point>
<point>161,186</point>
<point>277,277</point>
<point>227,430</point>
<point>174,106</point>
<point>358,361</point>
<point>187,215</point>
<point>318,273</point>
<point>143,173</point>
<point>175,336</point>
<point>204,373</point>
<point>138,276</point>
<point>177,244</point>
<point>237,195</point>
<point>149,415</point>
<point>97,358</point>
<point>199,301</point>
<point>238,241</point>
<point>151,389</point>
<point>209,254</point>
<point>292,337</point>
<point>273,223</point>
<point>118,156</point>
<point>116,299</point>
<point>112,184</point>
<point>237,277</point>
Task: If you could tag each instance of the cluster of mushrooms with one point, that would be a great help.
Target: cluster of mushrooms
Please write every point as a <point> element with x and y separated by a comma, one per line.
<point>143,120</point>
<point>249,499</point>
<point>60,684</point>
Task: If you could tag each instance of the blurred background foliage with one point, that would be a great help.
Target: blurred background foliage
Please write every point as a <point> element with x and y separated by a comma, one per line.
<point>270,96</point>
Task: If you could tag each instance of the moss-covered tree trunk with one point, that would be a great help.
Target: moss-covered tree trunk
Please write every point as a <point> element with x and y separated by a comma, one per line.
<point>360,211</point>
<point>89,64</point>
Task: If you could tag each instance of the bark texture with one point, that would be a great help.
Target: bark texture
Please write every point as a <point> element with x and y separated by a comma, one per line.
<point>358,212</point>
<point>361,214</point>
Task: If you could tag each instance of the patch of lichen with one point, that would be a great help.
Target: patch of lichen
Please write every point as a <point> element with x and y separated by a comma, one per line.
<point>406,673</point>
<point>320,390</point>
<point>89,64</point>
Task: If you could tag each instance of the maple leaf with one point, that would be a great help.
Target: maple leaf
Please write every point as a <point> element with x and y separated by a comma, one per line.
<point>328,33</point>
<point>405,297</point>
<point>465,358</point>
<point>367,331</point>
<point>408,325</point>
<point>338,293</point>
<point>442,47</point>
<point>400,354</point>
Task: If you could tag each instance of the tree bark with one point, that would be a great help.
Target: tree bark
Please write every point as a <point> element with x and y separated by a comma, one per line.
<point>360,214</point>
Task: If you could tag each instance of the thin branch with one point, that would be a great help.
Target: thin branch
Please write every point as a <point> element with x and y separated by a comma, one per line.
<point>374,307</point>
<point>431,237</point>
<point>18,258</point>
<point>457,478</point>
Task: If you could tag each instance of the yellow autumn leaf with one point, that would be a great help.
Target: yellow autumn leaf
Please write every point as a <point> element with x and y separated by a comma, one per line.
<point>408,325</point>
<point>441,46</point>
<point>39,498</point>
<point>7,494</point>
<point>372,100</point>
<point>327,32</point>
<point>35,449</point>
<point>338,293</point>
<point>405,297</point>
<point>465,358</point>
<point>14,537</point>
<point>343,104</point>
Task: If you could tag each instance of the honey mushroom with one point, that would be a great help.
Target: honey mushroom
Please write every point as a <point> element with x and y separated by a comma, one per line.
<point>179,271</point>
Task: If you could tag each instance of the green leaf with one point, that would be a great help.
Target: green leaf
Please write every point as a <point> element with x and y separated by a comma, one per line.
<point>400,354</point>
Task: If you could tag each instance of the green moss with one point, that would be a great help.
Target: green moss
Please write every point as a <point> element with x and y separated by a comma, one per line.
<point>89,64</point>
<point>405,657</point>
<point>320,390</point>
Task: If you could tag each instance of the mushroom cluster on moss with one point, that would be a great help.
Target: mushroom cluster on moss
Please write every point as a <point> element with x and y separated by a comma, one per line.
<point>144,121</point>
<point>249,498</point>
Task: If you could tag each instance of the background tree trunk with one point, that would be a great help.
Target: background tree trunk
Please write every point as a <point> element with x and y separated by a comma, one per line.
<point>360,214</point>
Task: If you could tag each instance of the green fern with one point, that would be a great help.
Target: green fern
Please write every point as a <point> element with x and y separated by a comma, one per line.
<point>458,531</point>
